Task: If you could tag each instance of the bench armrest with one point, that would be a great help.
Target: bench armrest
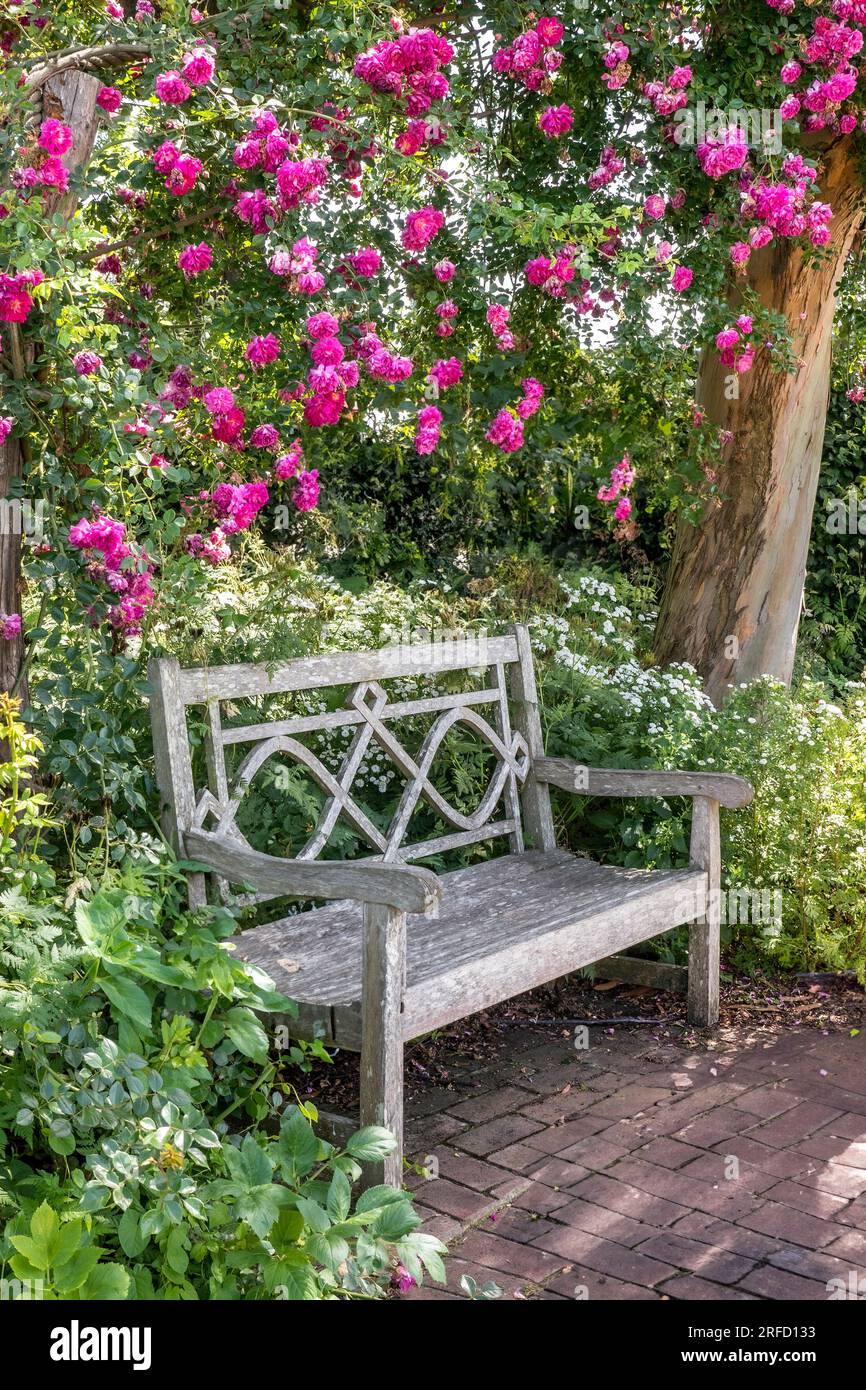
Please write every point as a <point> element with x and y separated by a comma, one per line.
<point>572,776</point>
<point>400,886</point>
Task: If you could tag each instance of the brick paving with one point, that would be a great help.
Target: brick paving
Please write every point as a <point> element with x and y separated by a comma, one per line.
<point>639,1169</point>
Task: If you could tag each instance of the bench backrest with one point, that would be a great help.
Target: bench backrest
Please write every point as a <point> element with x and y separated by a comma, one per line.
<point>502,711</point>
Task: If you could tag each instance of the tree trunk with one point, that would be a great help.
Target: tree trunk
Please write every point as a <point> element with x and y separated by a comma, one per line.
<point>69,96</point>
<point>734,589</point>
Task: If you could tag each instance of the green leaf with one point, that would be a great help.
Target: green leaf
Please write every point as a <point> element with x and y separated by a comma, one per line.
<point>129,1233</point>
<point>260,1207</point>
<point>175,1250</point>
<point>128,999</point>
<point>45,1229</point>
<point>395,1220</point>
<point>77,1270</point>
<point>315,1216</point>
<point>339,1198</point>
<point>108,1281</point>
<point>297,1146</point>
<point>295,1283</point>
<point>34,1251</point>
<point>371,1143</point>
<point>247,1034</point>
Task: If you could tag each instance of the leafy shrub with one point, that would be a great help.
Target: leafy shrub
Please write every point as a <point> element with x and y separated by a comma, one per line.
<point>804,835</point>
<point>150,1145</point>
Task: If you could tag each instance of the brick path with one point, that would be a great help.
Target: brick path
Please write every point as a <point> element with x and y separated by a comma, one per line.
<point>608,1173</point>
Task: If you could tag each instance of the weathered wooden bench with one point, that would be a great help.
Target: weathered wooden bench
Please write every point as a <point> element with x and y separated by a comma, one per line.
<point>362,978</point>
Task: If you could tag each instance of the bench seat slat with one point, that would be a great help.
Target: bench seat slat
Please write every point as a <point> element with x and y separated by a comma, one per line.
<point>506,926</point>
<point>201,684</point>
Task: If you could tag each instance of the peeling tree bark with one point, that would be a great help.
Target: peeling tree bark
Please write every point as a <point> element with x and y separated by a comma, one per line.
<point>70,96</point>
<point>739,574</point>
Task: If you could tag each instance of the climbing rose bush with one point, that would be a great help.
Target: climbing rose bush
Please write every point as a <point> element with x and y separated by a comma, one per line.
<point>248,265</point>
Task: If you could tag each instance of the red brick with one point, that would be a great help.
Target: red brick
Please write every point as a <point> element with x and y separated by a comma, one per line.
<point>515,1224</point>
<point>601,1221</point>
<point>496,1134</point>
<point>838,1179</point>
<point>782,1163</point>
<point>846,1127</point>
<point>630,1101</point>
<point>722,1266</point>
<point>541,1198</point>
<point>808,1199</point>
<point>719,1199</point>
<point>669,1153</point>
<point>489,1106</point>
<point>713,1167</point>
<point>690,1287</point>
<point>830,1146</point>
<point>765,1101</point>
<point>607,1257</point>
<point>593,1153</point>
<point>431,1130</point>
<point>854,1215</point>
<point>629,1200</point>
<point>588,1284</point>
<point>559,1108</point>
<point>430,1293</point>
<point>555,1172</point>
<point>851,1245</point>
<point>711,1129</point>
<point>558,1137</point>
<point>796,1124</point>
<point>814,1265</point>
<point>781,1286</point>
<point>460,1202</point>
<point>517,1157</point>
<point>438,1224</point>
<point>460,1168</point>
<point>509,1256</point>
<point>796,1227</point>
<point>722,1234</point>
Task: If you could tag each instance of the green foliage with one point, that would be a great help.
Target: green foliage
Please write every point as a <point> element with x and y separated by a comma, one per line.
<point>832,632</point>
<point>793,858</point>
<point>150,1146</point>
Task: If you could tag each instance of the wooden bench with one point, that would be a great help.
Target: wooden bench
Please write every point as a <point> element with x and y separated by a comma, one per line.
<point>364,979</point>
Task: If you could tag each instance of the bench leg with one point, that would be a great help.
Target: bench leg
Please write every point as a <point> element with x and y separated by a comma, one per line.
<point>384,975</point>
<point>703,997</point>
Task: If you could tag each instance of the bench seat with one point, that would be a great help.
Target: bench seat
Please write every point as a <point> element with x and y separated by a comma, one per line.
<point>398,950</point>
<point>504,926</point>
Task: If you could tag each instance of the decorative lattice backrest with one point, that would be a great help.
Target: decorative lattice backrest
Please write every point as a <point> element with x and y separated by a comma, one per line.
<point>499,709</point>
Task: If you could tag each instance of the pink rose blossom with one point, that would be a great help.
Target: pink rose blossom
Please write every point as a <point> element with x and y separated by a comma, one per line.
<point>421,227</point>
<point>171,88</point>
<point>54,136</point>
<point>556,120</point>
<point>506,432</point>
<point>261,351</point>
<point>86,363</point>
<point>446,372</point>
<point>109,99</point>
<point>198,67</point>
<point>366,262</point>
<point>194,259</point>
<point>306,492</point>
